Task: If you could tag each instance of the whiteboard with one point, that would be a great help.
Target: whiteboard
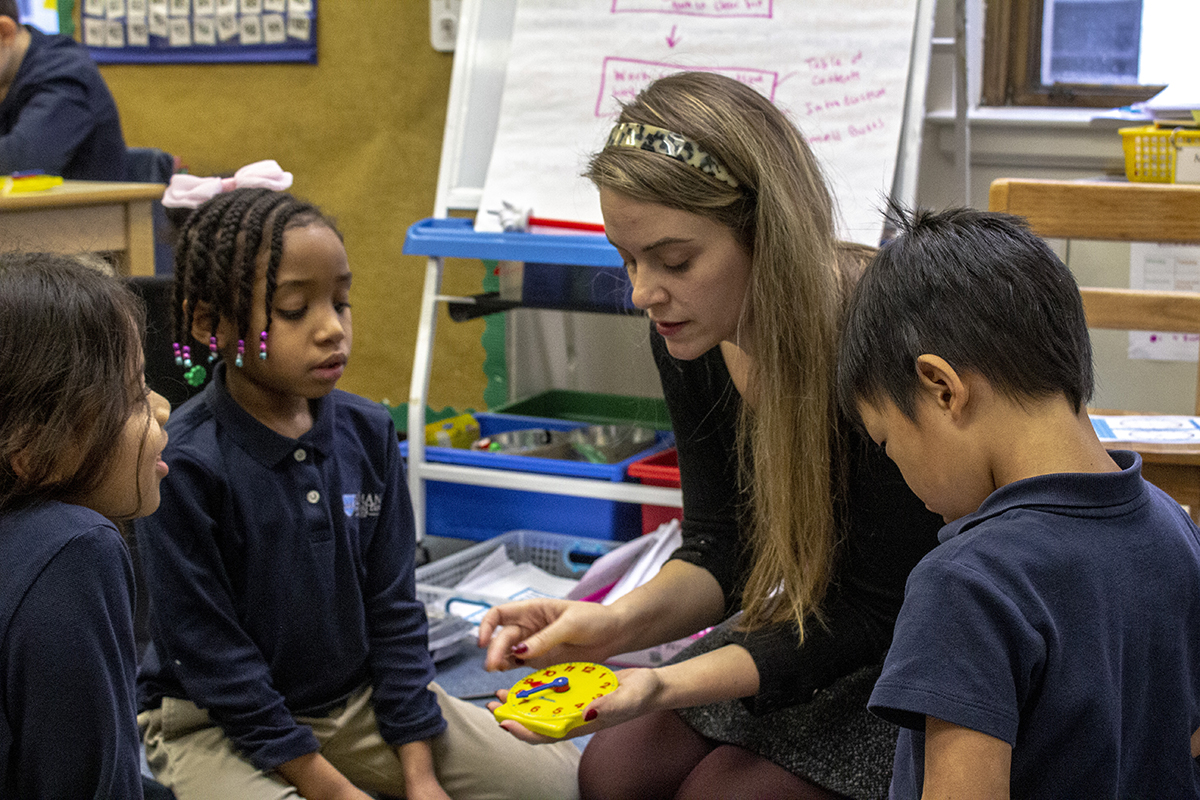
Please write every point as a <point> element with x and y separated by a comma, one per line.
<point>477,87</point>
<point>540,349</point>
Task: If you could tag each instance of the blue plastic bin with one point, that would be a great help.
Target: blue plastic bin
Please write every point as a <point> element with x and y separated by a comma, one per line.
<point>465,511</point>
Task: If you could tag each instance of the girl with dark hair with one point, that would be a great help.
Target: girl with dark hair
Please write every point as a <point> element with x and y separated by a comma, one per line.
<point>81,439</point>
<point>288,650</point>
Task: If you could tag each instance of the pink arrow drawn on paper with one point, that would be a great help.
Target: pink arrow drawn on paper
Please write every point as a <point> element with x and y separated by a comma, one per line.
<point>672,40</point>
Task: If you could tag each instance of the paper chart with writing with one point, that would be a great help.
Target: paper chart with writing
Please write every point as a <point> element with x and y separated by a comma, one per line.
<point>1166,268</point>
<point>838,68</point>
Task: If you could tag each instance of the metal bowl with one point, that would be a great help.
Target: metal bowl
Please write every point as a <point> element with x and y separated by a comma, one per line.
<point>537,442</point>
<point>608,444</point>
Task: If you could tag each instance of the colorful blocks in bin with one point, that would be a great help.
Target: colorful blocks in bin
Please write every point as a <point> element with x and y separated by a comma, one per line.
<point>458,431</point>
<point>658,469</point>
<point>482,512</point>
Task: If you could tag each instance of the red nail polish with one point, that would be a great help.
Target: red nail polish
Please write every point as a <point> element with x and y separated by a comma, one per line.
<point>590,715</point>
<point>520,649</point>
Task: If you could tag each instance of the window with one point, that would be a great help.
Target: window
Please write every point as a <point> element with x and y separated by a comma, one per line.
<point>1099,53</point>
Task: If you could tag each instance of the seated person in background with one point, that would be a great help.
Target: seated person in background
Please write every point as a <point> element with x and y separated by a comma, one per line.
<point>56,113</point>
<point>1047,647</point>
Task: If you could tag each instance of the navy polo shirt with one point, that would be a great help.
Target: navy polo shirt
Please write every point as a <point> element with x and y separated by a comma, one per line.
<point>67,657</point>
<point>1061,618</point>
<point>281,575</point>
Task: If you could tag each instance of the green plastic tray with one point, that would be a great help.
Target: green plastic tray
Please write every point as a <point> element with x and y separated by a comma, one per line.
<point>593,408</point>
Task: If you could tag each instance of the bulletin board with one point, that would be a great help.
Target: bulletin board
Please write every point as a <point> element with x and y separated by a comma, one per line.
<point>199,31</point>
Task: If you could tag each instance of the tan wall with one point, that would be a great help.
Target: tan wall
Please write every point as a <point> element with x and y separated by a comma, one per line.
<point>362,131</point>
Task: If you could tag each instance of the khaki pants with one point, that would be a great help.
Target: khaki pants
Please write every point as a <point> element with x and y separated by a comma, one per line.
<point>474,758</point>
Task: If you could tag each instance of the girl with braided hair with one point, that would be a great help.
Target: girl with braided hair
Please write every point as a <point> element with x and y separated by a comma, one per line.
<point>288,651</point>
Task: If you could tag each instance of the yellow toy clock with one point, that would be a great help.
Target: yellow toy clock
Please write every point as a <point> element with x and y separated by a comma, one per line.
<point>551,701</point>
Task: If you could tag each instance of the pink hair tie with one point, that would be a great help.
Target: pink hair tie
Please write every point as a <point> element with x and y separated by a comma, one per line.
<point>191,191</point>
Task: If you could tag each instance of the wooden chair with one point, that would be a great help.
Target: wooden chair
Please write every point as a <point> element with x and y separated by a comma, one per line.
<point>1136,212</point>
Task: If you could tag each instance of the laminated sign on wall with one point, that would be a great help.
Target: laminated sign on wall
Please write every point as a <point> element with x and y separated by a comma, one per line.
<point>1164,268</point>
<point>165,31</point>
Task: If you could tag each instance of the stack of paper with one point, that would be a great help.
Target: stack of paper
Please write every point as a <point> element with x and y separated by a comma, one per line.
<point>1148,429</point>
<point>1179,103</point>
<point>500,577</point>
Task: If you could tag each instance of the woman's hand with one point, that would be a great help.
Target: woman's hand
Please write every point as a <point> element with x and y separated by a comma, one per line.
<point>680,600</point>
<point>639,692</point>
<point>540,633</point>
<point>722,674</point>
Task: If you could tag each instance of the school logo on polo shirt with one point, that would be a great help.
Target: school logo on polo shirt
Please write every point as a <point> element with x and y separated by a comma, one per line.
<point>361,505</point>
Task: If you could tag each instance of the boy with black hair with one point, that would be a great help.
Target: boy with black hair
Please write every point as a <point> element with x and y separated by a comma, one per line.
<point>56,113</point>
<point>1048,646</point>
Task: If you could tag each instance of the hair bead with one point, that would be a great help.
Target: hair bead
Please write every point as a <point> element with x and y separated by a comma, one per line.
<point>241,351</point>
<point>262,345</point>
<point>178,354</point>
<point>187,356</point>
<point>195,376</point>
<point>212,349</point>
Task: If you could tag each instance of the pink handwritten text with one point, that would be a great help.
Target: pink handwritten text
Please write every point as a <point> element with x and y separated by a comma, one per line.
<point>864,129</point>
<point>697,8</point>
<point>623,78</point>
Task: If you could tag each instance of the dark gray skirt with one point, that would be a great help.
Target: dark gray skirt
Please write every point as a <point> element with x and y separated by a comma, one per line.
<point>832,741</point>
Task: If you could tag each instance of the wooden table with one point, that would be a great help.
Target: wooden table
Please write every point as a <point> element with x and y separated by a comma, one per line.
<point>1174,468</point>
<point>85,216</point>
<point>1104,210</point>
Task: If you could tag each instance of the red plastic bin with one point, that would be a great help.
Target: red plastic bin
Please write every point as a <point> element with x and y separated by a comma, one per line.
<point>659,469</point>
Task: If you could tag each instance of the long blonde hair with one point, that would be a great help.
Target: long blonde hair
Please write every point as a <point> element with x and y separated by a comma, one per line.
<point>784,215</point>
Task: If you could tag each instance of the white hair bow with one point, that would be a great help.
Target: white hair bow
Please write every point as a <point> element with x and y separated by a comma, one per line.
<point>190,191</point>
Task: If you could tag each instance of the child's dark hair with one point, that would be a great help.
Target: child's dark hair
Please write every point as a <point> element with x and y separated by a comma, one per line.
<point>70,368</point>
<point>978,289</point>
<point>217,251</point>
<point>8,8</point>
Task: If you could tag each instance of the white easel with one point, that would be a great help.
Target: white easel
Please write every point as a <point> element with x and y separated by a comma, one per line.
<point>476,86</point>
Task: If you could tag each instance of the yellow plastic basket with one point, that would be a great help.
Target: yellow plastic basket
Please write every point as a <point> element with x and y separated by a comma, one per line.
<point>1150,151</point>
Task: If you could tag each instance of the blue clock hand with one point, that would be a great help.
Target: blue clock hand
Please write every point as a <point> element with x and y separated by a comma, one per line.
<point>558,684</point>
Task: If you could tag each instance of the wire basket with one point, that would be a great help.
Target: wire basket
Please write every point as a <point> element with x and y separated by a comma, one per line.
<point>558,554</point>
<point>1150,151</point>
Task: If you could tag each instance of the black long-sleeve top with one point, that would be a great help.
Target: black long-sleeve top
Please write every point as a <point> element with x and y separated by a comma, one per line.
<point>887,531</point>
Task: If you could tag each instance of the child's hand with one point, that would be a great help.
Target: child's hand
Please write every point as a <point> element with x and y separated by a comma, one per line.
<point>430,791</point>
<point>317,779</point>
<point>351,793</point>
<point>638,693</point>
<point>420,779</point>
